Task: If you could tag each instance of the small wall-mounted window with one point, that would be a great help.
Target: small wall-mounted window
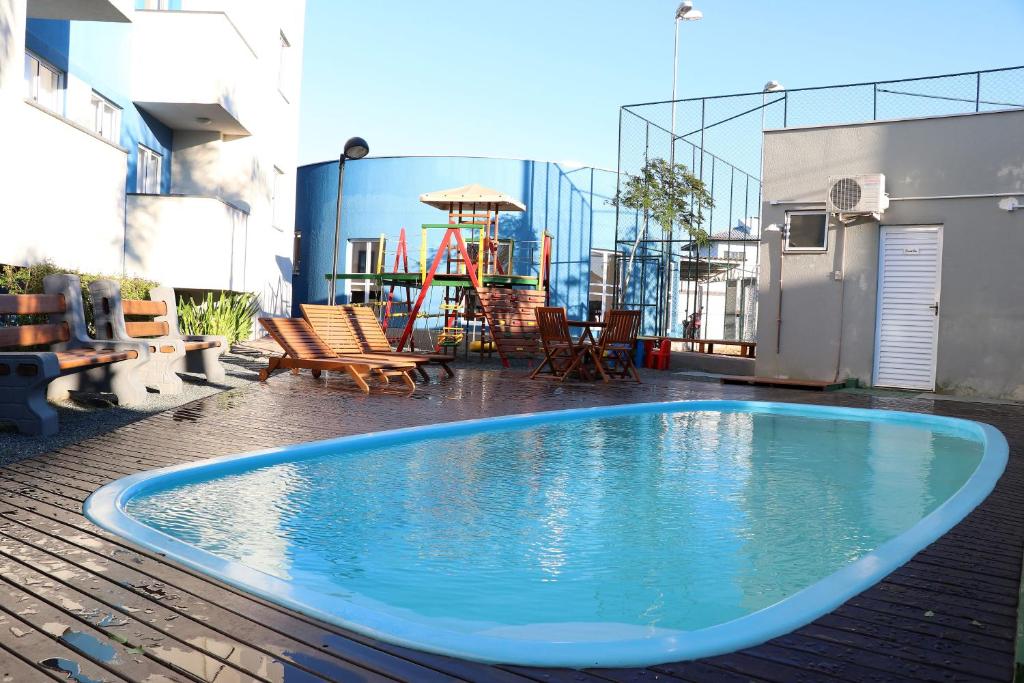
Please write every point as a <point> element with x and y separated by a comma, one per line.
<point>806,231</point>
<point>297,253</point>
<point>106,119</point>
<point>148,169</point>
<point>44,83</point>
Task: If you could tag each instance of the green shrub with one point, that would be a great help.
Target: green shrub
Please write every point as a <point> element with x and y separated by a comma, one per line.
<point>29,280</point>
<point>230,315</point>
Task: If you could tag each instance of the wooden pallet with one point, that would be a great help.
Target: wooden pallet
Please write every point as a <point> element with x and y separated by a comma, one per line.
<point>810,384</point>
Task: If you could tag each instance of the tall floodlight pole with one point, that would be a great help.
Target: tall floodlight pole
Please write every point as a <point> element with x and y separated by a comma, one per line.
<point>769,87</point>
<point>685,12</point>
<point>355,148</point>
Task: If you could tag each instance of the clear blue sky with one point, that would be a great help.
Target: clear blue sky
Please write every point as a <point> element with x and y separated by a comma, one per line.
<point>543,79</point>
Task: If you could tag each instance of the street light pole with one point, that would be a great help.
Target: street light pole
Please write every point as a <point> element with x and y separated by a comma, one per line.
<point>355,148</point>
<point>685,12</point>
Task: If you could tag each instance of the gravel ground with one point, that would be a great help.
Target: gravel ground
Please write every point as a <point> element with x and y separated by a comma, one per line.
<point>89,415</point>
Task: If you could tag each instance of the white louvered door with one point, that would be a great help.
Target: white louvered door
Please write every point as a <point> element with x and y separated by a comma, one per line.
<point>907,320</point>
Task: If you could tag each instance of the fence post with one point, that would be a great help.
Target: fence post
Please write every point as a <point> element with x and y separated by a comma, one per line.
<point>785,107</point>
<point>874,102</point>
<point>977,93</point>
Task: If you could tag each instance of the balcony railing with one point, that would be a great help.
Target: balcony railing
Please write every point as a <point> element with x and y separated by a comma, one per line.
<point>187,241</point>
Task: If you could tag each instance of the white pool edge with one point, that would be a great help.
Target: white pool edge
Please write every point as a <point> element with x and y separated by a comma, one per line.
<point>106,508</point>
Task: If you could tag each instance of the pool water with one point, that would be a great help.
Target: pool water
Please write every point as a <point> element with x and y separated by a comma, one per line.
<point>586,532</point>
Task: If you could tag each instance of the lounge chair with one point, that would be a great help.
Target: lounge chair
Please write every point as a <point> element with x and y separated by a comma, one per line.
<point>303,348</point>
<point>562,354</point>
<point>372,340</point>
<point>617,343</point>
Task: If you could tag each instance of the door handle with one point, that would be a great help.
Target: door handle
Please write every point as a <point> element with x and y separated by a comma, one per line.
<point>935,307</point>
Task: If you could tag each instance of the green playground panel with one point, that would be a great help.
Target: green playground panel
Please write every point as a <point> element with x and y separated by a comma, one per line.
<point>440,280</point>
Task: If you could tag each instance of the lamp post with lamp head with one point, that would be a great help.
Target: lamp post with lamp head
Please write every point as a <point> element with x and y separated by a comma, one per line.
<point>684,12</point>
<point>355,148</point>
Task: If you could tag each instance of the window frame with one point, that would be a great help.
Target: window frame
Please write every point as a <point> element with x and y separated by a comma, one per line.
<point>805,250</point>
<point>32,83</point>
<point>106,105</point>
<point>369,287</point>
<point>141,163</point>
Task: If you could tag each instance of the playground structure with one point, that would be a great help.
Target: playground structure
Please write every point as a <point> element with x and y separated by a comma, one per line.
<point>472,269</point>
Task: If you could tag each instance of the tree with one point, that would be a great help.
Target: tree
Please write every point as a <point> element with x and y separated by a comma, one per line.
<point>674,198</point>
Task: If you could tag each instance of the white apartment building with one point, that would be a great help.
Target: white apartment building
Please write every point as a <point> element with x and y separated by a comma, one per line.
<point>152,138</point>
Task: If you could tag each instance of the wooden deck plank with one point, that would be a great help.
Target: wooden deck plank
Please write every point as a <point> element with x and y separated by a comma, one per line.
<point>135,572</point>
<point>170,613</point>
<point>947,614</point>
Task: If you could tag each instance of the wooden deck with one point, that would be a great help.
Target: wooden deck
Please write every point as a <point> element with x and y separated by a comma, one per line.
<point>77,600</point>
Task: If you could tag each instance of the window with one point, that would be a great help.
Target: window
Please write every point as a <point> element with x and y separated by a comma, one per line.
<point>106,118</point>
<point>363,259</point>
<point>45,83</point>
<point>602,282</point>
<point>148,168</point>
<point>283,66</point>
<point>806,231</point>
<point>276,200</point>
<point>154,4</point>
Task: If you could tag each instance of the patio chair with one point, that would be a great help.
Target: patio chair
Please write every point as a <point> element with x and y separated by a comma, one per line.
<point>562,354</point>
<point>617,343</point>
<point>354,331</point>
<point>303,348</point>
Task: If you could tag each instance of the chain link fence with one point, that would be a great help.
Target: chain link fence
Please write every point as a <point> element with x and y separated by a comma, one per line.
<point>719,140</point>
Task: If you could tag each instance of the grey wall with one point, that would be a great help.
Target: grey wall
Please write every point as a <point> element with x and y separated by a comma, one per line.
<point>981,326</point>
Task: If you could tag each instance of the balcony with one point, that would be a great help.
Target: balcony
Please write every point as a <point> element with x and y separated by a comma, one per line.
<point>81,10</point>
<point>186,242</point>
<point>192,70</point>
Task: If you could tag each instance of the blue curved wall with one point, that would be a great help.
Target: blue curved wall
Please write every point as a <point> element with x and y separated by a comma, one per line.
<point>381,195</point>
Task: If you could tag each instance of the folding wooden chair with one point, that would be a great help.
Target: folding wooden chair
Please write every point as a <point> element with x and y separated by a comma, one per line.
<point>617,343</point>
<point>562,354</point>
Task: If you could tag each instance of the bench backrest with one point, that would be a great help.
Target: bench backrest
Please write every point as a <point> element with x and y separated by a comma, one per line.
<point>111,313</point>
<point>15,336</point>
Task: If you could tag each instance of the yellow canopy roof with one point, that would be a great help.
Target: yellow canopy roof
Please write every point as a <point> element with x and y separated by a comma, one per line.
<point>473,198</point>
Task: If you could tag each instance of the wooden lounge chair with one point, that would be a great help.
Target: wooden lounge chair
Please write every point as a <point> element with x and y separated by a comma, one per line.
<point>562,354</point>
<point>337,328</point>
<point>304,349</point>
<point>617,343</point>
<point>373,341</point>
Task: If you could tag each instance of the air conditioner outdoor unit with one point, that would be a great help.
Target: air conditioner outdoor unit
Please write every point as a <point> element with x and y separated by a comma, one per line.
<point>863,193</point>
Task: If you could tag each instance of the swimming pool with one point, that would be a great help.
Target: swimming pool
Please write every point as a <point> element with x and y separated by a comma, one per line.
<point>616,536</point>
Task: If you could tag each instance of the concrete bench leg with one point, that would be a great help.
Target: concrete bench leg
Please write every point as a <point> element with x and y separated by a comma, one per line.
<point>161,376</point>
<point>23,380</point>
<point>206,362</point>
<point>120,379</point>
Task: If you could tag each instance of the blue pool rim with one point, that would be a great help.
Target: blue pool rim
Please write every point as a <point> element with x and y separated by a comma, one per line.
<point>106,508</point>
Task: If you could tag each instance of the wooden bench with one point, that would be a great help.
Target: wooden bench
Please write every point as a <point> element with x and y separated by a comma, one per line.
<point>171,351</point>
<point>747,348</point>
<point>74,362</point>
